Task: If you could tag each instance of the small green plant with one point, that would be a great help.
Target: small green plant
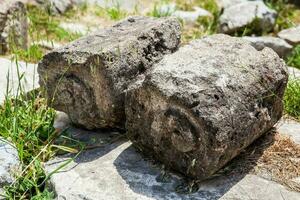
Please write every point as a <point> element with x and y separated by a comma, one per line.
<point>44,26</point>
<point>32,55</point>
<point>286,13</point>
<point>115,12</point>
<point>158,12</point>
<point>292,98</point>
<point>27,123</point>
<point>209,5</point>
<point>254,28</point>
<point>294,58</point>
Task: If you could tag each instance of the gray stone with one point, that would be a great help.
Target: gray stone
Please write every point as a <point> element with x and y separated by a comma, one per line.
<point>9,163</point>
<point>223,4</point>
<point>87,78</point>
<point>56,6</point>
<point>167,9</point>
<point>280,46</point>
<point>78,28</point>
<point>186,16</point>
<point>290,128</point>
<point>237,17</point>
<point>47,44</point>
<point>294,73</point>
<point>291,35</point>
<point>192,16</point>
<point>127,5</point>
<point>117,171</point>
<point>13,25</point>
<point>9,77</point>
<point>200,106</point>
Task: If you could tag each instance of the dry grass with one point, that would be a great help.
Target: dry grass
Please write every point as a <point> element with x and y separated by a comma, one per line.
<point>274,156</point>
<point>282,161</point>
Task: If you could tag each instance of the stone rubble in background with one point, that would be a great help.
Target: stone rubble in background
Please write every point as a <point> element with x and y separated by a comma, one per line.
<point>294,73</point>
<point>116,170</point>
<point>241,15</point>
<point>49,45</point>
<point>9,164</point>
<point>192,16</point>
<point>77,28</point>
<point>291,35</point>
<point>202,105</point>
<point>87,78</point>
<point>56,6</point>
<point>187,16</point>
<point>280,46</point>
<point>13,25</point>
<point>223,4</point>
<point>9,74</point>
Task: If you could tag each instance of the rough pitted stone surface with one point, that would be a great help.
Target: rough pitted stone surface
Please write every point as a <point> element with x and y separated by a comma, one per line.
<point>13,25</point>
<point>280,46</point>
<point>9,163</point>
<point>237,17</point>
<point>87,78</point>
<point>291,35</point>
<point>199,107</point>
<point>9,70</point>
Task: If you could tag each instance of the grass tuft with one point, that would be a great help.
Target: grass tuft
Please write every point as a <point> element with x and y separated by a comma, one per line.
<point>292,98</point>
<point>294,59</point>
<point>285,11</point>
<point>44,26</point>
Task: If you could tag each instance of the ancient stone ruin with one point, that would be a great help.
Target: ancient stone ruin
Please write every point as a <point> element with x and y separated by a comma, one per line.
<point>194,109</point>
<point>87,78</point>
<point>13,25</point>
<point>199,107</point>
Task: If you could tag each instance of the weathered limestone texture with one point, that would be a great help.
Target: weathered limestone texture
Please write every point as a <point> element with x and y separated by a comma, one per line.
<point>199,107</point>
<point>87,78</point>
<point>13,25</point>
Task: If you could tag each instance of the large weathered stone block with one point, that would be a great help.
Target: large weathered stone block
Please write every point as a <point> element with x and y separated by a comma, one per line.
<point>199,107</point>
<point>87,78</point>
<point>13,25</point>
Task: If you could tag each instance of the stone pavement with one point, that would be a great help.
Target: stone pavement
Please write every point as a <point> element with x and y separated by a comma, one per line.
<point>10,73</point>
<point>113,169</point>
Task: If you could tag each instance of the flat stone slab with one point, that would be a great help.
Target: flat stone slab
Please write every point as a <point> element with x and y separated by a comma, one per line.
<point>9,74</point>
<point>291,35</point>
<point>294,72</point>
<point>289,127</point>
<point>9,163</point>
<point>47,44</point>
<point>115,170</point>
<point>76,28</point>
<point>280,46</point>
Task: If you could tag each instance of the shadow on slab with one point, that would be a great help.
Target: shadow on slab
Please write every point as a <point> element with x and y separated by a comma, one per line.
<point>148,178</point>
